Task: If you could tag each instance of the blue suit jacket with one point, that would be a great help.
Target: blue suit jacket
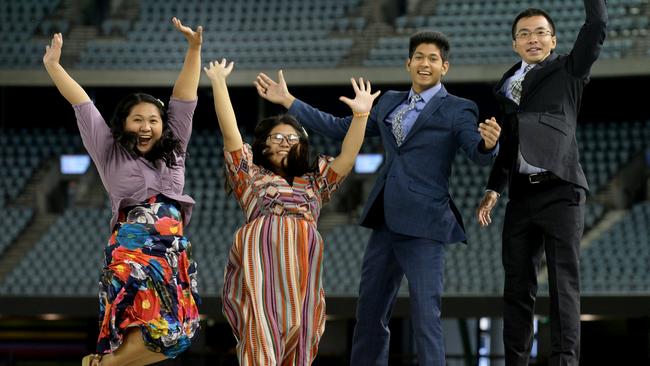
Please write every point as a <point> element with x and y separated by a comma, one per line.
<point>415,176</point>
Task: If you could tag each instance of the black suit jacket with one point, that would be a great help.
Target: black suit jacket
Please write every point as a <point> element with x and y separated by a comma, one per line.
<point>543,125</point>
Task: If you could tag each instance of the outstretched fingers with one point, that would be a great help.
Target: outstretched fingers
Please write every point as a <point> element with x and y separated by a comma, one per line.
<point>217,69</point>
<point>260,89</point>
<point>264,80</point>
<point>53,50</point>
<point>269,88</point>
<point>183,28</point>
<point>363,99</point>
<point>193,37</point>
<point>355,86</point>
<point>364,87</point>
<point>56,41</point>
<point>230,66</point>
<point>179,25</point>
<point>281,77</point>
<point>345,100</point>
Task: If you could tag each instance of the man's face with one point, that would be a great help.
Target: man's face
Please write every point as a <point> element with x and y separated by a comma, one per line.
<point>426,67</point>
<point>534,39</point>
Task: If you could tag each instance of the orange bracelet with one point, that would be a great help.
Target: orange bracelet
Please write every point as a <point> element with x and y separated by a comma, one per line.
<point>361,114</point>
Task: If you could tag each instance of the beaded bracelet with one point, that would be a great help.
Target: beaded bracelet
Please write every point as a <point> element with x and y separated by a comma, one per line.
<point>361,114</point>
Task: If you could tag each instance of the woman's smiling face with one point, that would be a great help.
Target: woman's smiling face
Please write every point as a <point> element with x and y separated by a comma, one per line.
<point>145,121</point>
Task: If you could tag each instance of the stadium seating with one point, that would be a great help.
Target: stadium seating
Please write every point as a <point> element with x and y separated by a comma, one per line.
<point>66,260</point>
<point>22,151</point>
<point>470,269</point>
<point>605,147</point>
<point>294,34</point>
<point>306,34</point>
<point>270,35</point>
<point>480,31</point>
<point>15,220</point>
<point>618,261</point>
<point>19,21</point>
<point>344,248</point>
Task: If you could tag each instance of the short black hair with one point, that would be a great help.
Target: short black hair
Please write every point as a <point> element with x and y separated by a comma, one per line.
<point>532,12</point>
<point>167,148</point>
<point>299,161</point>
<point>437,38</point>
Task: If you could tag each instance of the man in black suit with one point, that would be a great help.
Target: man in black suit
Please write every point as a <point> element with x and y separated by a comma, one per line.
<point>540,98</point>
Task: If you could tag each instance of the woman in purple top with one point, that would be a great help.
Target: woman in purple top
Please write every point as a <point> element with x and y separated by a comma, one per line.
<point>148,296</point>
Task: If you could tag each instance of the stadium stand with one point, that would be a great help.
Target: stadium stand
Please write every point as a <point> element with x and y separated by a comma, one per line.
<point>323,37</point>
<point>307,34</point>
<point>16,221</point>
<point>480,31</point>
<point>275,34</point>
<point>23,151</point>
<point>65,260</point>
<point>470,269</point>
<point>618,261</point>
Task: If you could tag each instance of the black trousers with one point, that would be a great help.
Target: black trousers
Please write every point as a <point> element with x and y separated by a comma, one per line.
<point>547,216</point>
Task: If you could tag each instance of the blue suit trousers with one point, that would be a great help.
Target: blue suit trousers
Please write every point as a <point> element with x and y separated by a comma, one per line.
<point>387,259</point>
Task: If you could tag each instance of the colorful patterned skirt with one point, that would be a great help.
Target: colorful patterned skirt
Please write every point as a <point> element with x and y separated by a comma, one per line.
<point>149,280</point>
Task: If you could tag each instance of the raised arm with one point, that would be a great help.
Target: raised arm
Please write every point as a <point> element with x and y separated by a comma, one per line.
<point>274,92</point>
<point>69,88</point>
<point>322,123</point>
<point>360,106</point>
<point>589,42</point>
<point>217,72</point>
<point>188,80</point>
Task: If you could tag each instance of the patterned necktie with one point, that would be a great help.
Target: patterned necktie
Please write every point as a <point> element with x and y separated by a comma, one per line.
<point>398,129</point>
<point>515,85</point>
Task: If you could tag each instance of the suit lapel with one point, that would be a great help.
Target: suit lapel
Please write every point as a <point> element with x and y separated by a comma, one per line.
<point>536,74</point>
<point>508,104</point>
<point>499,86</point>
<point>392,101</point>
<point>427,112</point>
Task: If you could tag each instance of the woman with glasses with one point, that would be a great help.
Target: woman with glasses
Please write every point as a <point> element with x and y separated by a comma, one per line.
<point>273,295</point>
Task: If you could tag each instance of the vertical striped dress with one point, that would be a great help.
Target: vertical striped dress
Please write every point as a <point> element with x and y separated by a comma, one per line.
<point>273,296</point>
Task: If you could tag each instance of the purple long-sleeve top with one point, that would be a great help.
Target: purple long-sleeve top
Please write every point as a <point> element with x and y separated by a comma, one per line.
<point>130,180</point>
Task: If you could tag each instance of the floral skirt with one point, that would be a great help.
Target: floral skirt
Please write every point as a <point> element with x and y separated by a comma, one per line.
<point>149,280</point>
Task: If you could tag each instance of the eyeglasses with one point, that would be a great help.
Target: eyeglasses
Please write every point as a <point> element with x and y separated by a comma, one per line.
<point>277,138</point>
<point>526,34</point>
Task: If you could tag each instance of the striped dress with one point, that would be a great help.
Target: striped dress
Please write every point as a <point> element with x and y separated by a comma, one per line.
<point>273,296</point>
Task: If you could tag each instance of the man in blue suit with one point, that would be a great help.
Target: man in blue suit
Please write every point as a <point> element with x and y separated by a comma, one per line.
<point>409,209</point>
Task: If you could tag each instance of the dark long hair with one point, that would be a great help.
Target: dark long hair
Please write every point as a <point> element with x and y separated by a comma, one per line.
<point>299,160</point>
<point>167,148</point>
